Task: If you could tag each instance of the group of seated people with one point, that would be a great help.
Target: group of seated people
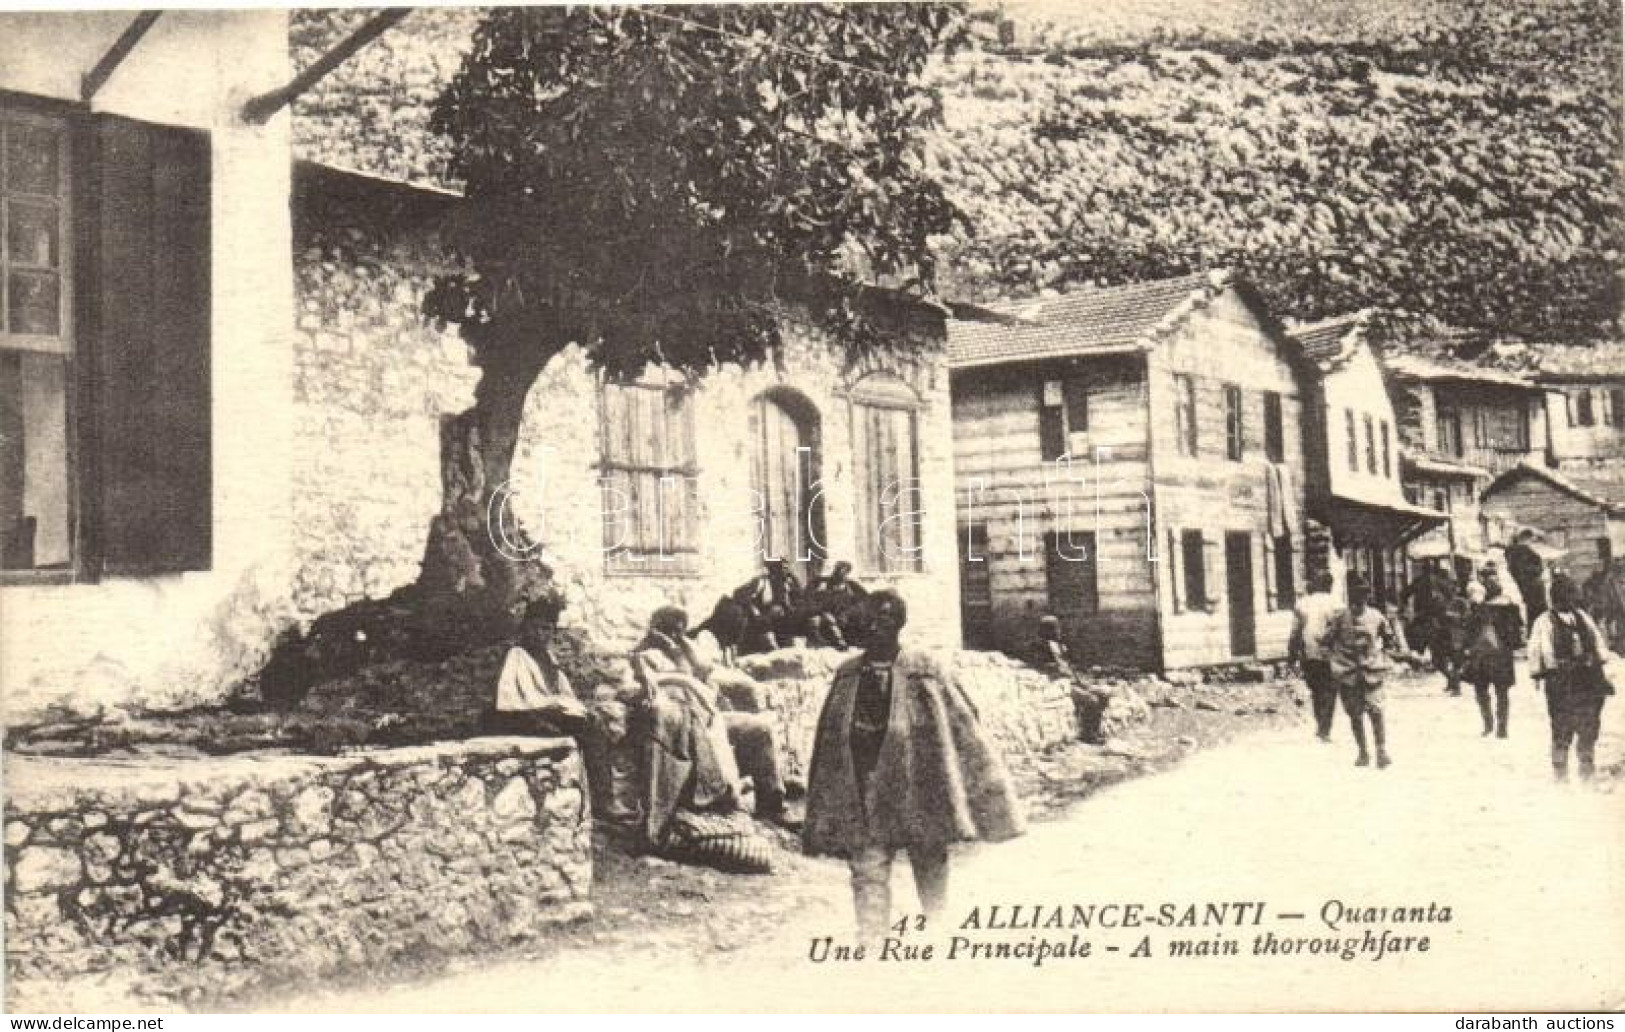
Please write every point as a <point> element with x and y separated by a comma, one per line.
<point>682,730</point>
<point>773,610</point>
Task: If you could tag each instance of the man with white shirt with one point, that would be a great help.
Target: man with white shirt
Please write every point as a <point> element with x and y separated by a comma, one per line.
<point>533,696</point>
<point>1310,620</point>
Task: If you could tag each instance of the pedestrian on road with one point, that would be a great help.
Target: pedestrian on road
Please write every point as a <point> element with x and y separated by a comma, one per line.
<point>1566,656</point>
<point>1310,619</point>
<point>1494,633</point>
<point>1528,572</point>
<point>1357,643</point>
<point>900,762</point>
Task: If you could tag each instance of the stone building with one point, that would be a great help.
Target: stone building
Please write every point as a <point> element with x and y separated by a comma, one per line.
<point>1352,461</point>
<point>660,491</point>
<point>1130,459</point>
<point>145,372</point>
<point>221,407</point>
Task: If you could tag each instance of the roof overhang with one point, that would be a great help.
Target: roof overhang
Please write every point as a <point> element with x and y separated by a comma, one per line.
<point>1443,467</point>
<point>956,366</point>
<point>1384,524</point>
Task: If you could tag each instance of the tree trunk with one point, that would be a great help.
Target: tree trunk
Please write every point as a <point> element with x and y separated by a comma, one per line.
<point>468,588</point>
<point>463,564</point>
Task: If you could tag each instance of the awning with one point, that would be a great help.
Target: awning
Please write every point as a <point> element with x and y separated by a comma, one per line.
<point>1378,524</point>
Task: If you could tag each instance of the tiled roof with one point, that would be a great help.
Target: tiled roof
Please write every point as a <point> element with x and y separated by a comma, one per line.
<point>1103,320</point>
<point>1596,488</point>
<point>1330,342</point>
<point>1415,367</point>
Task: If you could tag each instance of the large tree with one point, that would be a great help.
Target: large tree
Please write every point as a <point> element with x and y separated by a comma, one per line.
<point>655,184</point>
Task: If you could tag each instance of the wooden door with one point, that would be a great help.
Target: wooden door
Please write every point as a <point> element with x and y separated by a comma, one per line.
<point>784,473</point>
<point>1238,567</point>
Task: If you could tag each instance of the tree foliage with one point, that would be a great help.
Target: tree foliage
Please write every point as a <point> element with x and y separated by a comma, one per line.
<point>1459,165</point>
<point>657,182</point>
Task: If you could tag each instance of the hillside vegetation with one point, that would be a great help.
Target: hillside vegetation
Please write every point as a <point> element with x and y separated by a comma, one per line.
<point>1448,161</point>
<point>1459,166</point>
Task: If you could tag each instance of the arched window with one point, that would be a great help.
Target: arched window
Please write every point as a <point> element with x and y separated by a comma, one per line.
<point>886,472</point>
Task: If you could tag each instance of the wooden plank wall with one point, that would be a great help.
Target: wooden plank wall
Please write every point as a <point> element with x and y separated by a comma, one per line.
<point>1566,521</point>
<point>1004,484</point>
<point>1223,344</point>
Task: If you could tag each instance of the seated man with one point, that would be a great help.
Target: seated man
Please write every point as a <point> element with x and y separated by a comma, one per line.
<point>690,710</point>
<point>772,601</point>
<point>1051,655</point>
<point>829,602</point>
<point>533,696</point>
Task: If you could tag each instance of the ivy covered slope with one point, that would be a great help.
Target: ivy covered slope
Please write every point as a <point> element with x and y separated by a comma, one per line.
<point>1452,160</point>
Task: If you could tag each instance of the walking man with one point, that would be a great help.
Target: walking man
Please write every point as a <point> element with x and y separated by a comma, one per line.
<point>1357,643</point>
<point>900,762</point>
<point>1566,657</point>
<point>1528,572</point>
<point>1494,632</point>
<point>1310,621</point>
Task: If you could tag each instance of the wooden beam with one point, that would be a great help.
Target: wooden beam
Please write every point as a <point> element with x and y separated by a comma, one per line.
<point>97,77</point>
<point>261,108</point>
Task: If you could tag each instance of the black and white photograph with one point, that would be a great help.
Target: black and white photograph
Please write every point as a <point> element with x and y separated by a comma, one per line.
<point>996,506</point>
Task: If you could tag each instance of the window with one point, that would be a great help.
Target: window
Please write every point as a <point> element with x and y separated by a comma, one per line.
<point>1232,423</point>
<point>1274,434</point>
<point>1193,559</point>
<point>1063,410</point>
<point>1185,413</point>
<point>1448,423</point>
<point>147,386</point>
<point>885,458</point>
<point>1506,427</point>
<point>36,346</point>
<point>1572,418</point>
<point>1353,440</point>
<point>1071,574</point>
<point>1387,452</point>
<point>1370,445</point>
<point>649,469</point>
<point>1616,405</point>
<point>1610,414</point>
<point>1583,413</point>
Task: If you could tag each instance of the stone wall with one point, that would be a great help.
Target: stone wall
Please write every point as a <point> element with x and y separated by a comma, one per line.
<point>261,869</point>
<point>1025,711</point>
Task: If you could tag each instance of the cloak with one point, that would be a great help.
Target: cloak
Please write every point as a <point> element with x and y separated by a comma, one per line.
<point>938,779</point>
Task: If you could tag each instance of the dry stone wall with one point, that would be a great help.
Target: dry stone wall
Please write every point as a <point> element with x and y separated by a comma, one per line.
<point>255,870</point>
<point>1026,712</point>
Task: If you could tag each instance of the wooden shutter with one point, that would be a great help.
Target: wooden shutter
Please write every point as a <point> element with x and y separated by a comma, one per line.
<point>1175,551</point>
<point>1274,432</point>
<point>1051,424</point>
<point>1077,406</point>
<point>1271,593</point>
<point>152,367</point>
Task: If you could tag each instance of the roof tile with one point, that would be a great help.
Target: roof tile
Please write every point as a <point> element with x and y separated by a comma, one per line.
<point>1096,321</point>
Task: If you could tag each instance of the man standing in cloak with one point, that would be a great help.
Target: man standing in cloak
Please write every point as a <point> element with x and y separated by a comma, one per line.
<point>900,762</point>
